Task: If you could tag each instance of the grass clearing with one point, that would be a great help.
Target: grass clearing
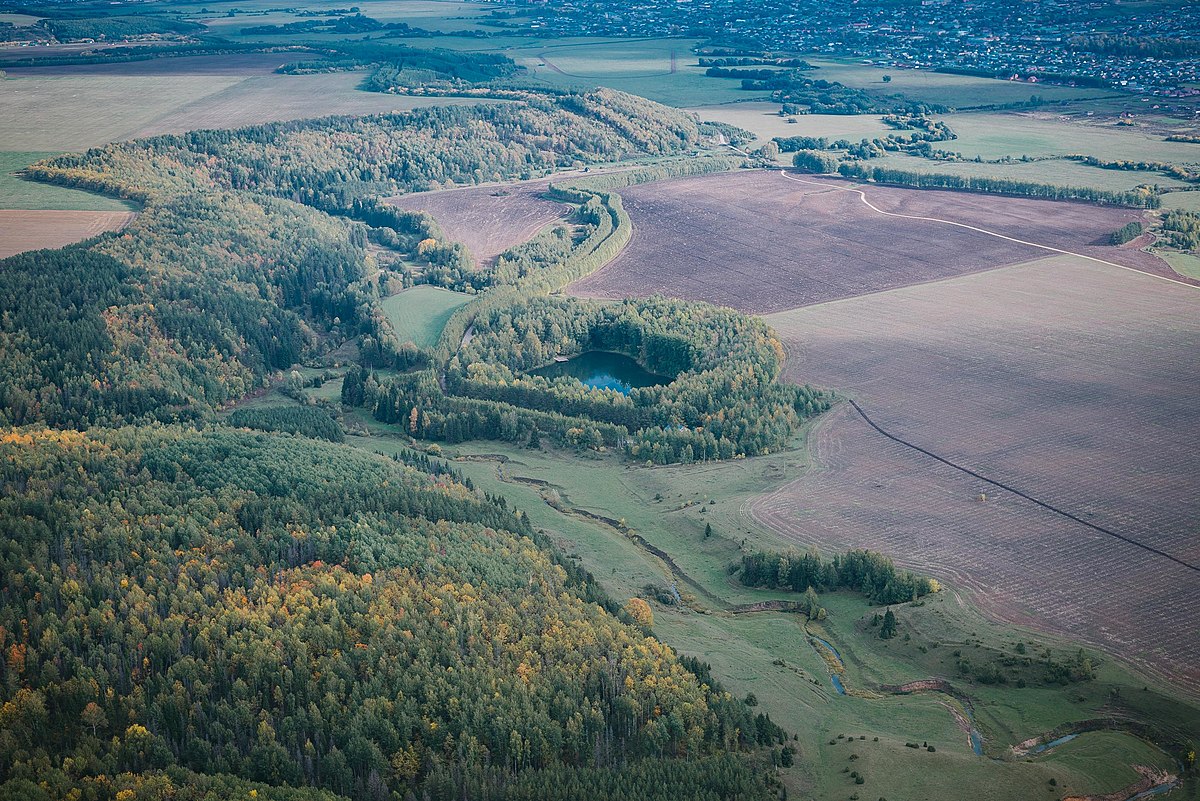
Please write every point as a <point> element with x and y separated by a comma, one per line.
<point>1185,264</point>
<point>16,193</point>
<point>763,120</point>
<point>1188,201</point>
<point>74,113</point>
<point>419,314</point>
<point>993,136</point>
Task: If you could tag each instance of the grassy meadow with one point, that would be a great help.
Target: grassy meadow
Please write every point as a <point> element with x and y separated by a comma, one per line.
<point>419,314</point>
<point>16,193</point>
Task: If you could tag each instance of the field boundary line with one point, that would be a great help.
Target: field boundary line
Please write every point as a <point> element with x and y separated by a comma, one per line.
<point>863,197</point>
<point>1019,493</point>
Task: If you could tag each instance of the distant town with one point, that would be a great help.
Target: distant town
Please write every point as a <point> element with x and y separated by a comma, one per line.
<point>1153,49</point>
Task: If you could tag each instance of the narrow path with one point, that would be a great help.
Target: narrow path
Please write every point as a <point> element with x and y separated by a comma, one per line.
<point>863,197</point>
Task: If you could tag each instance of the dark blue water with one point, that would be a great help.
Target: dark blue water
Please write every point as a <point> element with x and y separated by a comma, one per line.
<point>599,369</point>
<point>837,684</point>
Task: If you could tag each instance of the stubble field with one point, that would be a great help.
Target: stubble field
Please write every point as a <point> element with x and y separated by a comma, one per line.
<point>32,230</point>
<point>488,219</point>
<point>1070,381</point>
<point>765,242</point>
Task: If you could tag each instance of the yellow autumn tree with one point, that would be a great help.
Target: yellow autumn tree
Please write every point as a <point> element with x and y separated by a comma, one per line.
<point>639,610</point>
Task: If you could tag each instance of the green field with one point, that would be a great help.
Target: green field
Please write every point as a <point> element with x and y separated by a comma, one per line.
<point>1050,171</point>
<point>76,112</point>
<point>993,136</point>
<point>20,20</point>
<point>1188,201</point>
<point>957,91</point>
<point>763,120</point>
<point>419,314</point>
<point>638,66</point>
<point>768,654</point>
<point>16,193</point>
<point>1182,263</point>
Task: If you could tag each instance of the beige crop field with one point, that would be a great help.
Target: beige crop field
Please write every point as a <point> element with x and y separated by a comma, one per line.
<point>67,108</point>
<point>33,230</point>
<point>488,219</point>
<point>1067,380</point>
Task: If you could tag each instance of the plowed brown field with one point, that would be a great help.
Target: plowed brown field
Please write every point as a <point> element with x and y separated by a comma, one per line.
<point>763,242</point>
<point>488,219</point>
<point>33,230</point>
<point>1070,381</point>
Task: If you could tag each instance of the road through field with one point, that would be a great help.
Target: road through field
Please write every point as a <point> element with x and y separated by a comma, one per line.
<point>1067,379</point>
<point>863,196</point>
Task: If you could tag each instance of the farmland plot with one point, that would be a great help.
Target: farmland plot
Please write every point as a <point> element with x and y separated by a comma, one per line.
<point>1070,381</point>
<point>488,219</point>
<point>33,230</point>
<point>764,242</point>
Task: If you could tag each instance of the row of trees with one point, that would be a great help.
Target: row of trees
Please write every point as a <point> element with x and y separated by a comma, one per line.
<point>1138,198</point>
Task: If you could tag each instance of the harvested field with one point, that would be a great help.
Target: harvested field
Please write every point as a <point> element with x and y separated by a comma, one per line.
<point>64,108</point>
<point>764,242</point>
<point>33,230</point>
<point>1070,381</point>
<point>488,219</point>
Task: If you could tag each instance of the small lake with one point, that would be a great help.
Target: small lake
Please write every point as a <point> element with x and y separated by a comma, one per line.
<point>600,369</point>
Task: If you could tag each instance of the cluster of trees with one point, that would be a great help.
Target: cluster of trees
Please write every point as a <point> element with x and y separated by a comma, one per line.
<point>116,27</point>
<point>754,61</point>
<point>1138,198</point>
<point>218,284</point>
<point>724,398</point>
<point>1181,229</point>
<point>1126,233</point>
<point>279,610</point>
<point>867,572</point>
<point>329,163</point>
<point>306,420</point>
<point>190,307</point>
<point>800,94</point>
<point>918,143</point>
<point>1152,47</point>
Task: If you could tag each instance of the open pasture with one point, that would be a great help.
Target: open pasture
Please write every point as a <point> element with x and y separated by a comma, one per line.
<point>993,136</point>
<point>419,314</point>
<point>17,193</point>
<point>488,219</point>
<point>763,120</point>
<point>763,242</point>
<point>664,70</point>
<point>34,230</point>
<point>1070,381</point>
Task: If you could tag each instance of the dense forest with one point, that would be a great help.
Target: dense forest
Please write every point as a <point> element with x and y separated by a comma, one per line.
<point>290,612</point>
